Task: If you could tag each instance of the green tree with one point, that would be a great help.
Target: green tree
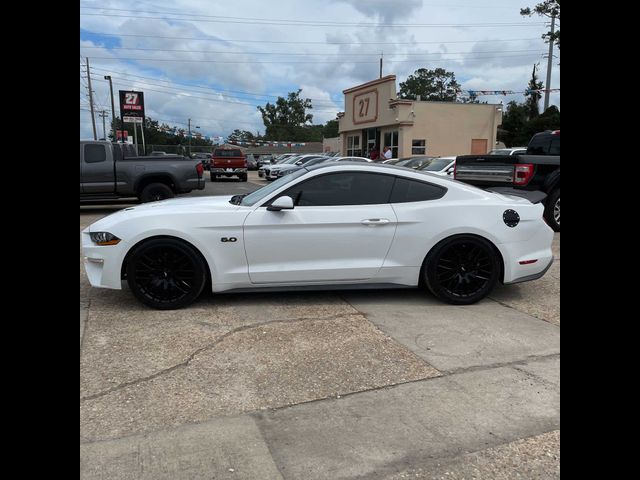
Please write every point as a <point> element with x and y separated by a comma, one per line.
<point>513,124</point>
<point>532,96</point>
<point>286,119</point>
<point>548,8</point>
<point>437,84</point>
<point>241,136</point>
<point>330,129</point>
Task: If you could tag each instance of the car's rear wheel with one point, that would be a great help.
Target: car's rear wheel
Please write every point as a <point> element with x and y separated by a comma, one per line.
<point>243,178</point>
<point>552,210</point>
<point>462,270</point>
<point>166,273</point>
<point>156,191</point>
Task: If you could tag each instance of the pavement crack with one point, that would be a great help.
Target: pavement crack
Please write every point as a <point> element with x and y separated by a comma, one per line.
<point>521,311</point>
<point>217,341</point>
<point>512,364</point>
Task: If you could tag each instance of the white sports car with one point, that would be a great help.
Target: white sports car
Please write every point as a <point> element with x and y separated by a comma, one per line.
<point>342,225</point>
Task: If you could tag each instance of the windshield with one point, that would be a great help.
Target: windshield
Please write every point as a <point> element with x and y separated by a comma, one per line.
<point>436,165</point>
<point>501,151</point>
<point>259,194</point>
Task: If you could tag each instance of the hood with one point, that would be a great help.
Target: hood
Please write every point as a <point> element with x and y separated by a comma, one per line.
<point>179,206</point>
<point>285,167</point>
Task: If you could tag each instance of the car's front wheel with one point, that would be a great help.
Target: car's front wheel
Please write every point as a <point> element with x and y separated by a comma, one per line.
<point>166,273</point>
<point>462,270</point>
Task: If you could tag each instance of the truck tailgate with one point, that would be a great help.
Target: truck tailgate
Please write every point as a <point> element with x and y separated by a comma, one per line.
<point>484,170</point>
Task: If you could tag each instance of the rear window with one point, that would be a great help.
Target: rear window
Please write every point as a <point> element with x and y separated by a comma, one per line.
<point>544,144</point>
<point>405,190</point>
<point>228,153</point>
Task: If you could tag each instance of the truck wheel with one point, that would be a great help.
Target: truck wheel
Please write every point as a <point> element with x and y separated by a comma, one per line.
<point>155,191</point>
<point>243,178</point>
<point>552,210</point>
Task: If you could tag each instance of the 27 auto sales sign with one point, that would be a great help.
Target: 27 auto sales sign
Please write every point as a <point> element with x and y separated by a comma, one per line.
<point>132,106</point>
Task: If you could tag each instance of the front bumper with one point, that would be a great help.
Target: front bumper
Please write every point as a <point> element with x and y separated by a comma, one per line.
<point>102,263</point>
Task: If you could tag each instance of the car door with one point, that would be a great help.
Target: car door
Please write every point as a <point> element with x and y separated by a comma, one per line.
<point>96,169</point>
<point>340,230</point>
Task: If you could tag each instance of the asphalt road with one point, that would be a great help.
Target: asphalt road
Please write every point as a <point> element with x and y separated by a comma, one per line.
<point>385,384</point>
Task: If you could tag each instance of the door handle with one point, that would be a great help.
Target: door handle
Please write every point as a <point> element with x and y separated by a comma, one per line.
<point>372,222</point>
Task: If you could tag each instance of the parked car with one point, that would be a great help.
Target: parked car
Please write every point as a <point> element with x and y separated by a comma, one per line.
<point>439,166</point>
<point>252,163</point>
<point>509,151</point>
<point>228,162</point>
<point>112,170</point>
<point>391,161</point>
<point>268,170</point>
<point>302,162</point>
<point>537,169</point>
<point>392,227</point>
<point>158,152</point>
<point>414,162</point>
<point>265,160</point>
<point>349,159</point>
<point>205,159</point>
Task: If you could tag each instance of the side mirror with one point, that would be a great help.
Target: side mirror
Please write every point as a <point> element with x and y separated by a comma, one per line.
<point>281,203</point>
<point>299,162</point>
<point>449,170</point>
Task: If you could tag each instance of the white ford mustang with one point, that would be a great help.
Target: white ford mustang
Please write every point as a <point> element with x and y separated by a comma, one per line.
<point>339,225</point>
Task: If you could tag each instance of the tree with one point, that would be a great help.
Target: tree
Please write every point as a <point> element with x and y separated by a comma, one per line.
<point>513,123</point>
<point>532,96</point>
<point>241,136</point>
<point>548,8</point>
<point>287,118</point>
<point>437,84</point>
<point>330,129</point>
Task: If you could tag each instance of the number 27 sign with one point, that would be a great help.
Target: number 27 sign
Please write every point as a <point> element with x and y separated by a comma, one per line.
<point>132,106</point>
<point>365,107</point>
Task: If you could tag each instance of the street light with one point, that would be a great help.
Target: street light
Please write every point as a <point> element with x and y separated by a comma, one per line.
<point>113,111</point>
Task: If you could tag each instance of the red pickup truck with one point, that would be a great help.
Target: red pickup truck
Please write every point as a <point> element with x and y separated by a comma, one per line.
<point>228,162</point>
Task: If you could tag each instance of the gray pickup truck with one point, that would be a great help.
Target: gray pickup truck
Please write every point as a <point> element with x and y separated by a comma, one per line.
<point>111,171</point>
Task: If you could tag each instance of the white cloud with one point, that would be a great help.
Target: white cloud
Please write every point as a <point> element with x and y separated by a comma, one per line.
<point>343,56</point>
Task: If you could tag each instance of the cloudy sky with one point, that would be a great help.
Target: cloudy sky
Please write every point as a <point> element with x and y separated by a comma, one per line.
<point>213,62</point>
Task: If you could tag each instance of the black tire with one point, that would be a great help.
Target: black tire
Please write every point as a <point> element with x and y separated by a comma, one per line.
<point>213,177</point>
<point>166,273</point>
<point>156,191</point>
<point>243,178</point>
<point>552,210</point>
<point>462,270</point>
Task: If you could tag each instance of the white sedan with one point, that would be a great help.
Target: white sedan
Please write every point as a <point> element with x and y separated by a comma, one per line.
<point>335,224</point>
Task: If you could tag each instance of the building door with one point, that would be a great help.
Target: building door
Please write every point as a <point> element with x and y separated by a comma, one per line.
<point>372,138</point>
<point>478,146</point>
<point>391,141</point>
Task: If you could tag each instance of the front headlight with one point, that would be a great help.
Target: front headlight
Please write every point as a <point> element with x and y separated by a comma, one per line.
<point>104,238</point>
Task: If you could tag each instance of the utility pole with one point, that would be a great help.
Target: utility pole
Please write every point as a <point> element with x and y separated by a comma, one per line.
<point>93,119</point>
<point>114,127</point>
<point>549,63</point>
<point>189,123</point>
<point>103,114</point>
<point>381,54</point>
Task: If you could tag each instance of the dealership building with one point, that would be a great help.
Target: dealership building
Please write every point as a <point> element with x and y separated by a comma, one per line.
<point>375,116</point>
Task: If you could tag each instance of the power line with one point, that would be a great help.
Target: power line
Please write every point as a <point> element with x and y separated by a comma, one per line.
<point>289,62</point>
<point>303,23</point>
<point>307,42</point>
<point>209,90</point>
<point>303,54</point>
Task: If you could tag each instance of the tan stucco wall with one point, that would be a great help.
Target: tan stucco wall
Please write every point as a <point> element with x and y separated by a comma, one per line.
<point>447,127</point>
<point>331,144</point>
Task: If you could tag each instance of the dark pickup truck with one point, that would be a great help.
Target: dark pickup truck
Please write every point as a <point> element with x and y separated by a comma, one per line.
<point>537,169</point>
<point>111,171</point>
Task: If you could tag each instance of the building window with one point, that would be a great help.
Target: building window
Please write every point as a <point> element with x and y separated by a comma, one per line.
<point>418,147</point>
<point>353,146</point>
<point>391,141</point>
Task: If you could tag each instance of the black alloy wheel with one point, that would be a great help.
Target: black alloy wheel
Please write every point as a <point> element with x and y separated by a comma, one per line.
<point>462,270</point>
<point>166,273</point>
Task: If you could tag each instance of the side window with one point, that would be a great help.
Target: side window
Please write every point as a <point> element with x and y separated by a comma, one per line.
<point>539,145</point>
<point>406,190</point>
<point>94,153</point>
<point>555,146</point>
<point>349,188</point>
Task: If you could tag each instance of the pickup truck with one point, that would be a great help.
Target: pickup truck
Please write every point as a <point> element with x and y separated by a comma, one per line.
<point>230,162</point>
<point>537,169</point>
<point>111,171</point>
